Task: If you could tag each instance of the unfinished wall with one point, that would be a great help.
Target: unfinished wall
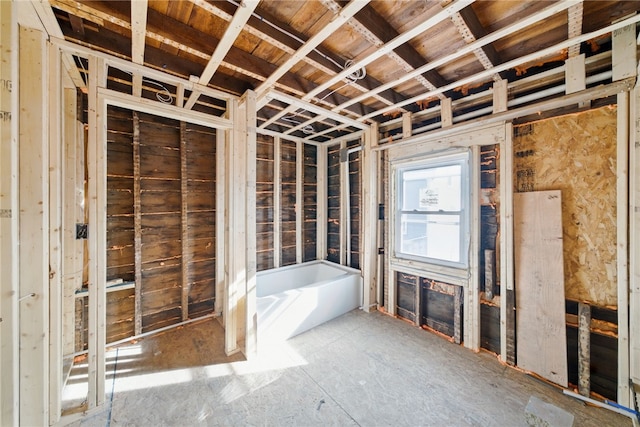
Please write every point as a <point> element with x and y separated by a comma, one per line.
<point>288,202</point>
<point>577,155</point>
<point>333,203</point>
<point>310,201</point>
<point>160,221</point>
<point>264,203</point>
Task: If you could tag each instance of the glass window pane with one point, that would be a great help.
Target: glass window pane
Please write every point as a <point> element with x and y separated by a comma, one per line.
<point>444,237</point>
<point>413,235</point>
<point>432,189</point>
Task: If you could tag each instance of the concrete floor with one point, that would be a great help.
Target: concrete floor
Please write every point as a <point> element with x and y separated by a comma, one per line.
<point>359,369</point>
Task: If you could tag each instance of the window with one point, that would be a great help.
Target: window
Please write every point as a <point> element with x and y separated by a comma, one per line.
<point>432,219</point>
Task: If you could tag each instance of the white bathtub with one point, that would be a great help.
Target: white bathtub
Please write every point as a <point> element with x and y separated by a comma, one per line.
<point>296,298</point>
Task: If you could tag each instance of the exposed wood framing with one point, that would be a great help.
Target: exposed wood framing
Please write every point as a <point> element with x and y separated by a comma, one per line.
<point>369,229</point>
<point>299,201</point>
<point>184,226</point>
<point>622,245</point>
<point>9,216</point>
<point>623,61</point>
<point>130,67</point>
<point>33,293</point>
<point>597,92</point>
<point>137,226</point>
<point>634,242</point>
<point>406,124</point>
<point>471,29</point>
<point>345,14</point>
<point>391,45</point>
<point>575,74</point>
<point>496,35</point>
<point>376,29</point>
<point>344,205</point>
<point>574,15</point>
<point>138,39</point>
<point>321,199</point>
<point>55,234</point>
<point>263,25</point>
<point>584,349</point>
<point>446,112</point>
<point>48,20</point>
<point>472,291</point>
<point>221,224</point>
<point>248,106</point>
<point>506,236</point>
<point>164,110</point>
<point>72,267</point>
<point>629,22</point>
<point>500,96</point>
<point>277,204</point>
<point>240,18</point>
<point>235,256</point>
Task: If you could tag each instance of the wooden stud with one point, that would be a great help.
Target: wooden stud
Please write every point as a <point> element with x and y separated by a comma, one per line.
<point>345,256</point>
<point>299,201</point>
<point>184,226</point>
<point>137,226</point>
<point>321,199</point>
<point>277,208</point>
<point>500,96</point>
<point>9,215</point>
<point>250,118</point>
<point>138,39</point>
<point>33,292</point>
<point>232,255</point>
<point>584,349</point>
<point>446,112</point>
<point>406,124</point>
<point>506,237</point>
<point>72,273</point>
<point>575,74</point>
<point>55,234</point>
<point>472,292</point>
<point>623,60</point>
<point>622,245</point>
<point>221,227</point>
<point>634,242</point>
<point>369,227</point>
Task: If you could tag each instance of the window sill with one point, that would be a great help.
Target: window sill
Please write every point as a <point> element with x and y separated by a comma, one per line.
<point>451,275</point>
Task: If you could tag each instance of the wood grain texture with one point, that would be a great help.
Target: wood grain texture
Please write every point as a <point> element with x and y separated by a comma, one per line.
<point>539,283</point>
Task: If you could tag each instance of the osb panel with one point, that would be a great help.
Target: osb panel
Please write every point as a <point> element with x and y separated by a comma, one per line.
<point>577,155</point>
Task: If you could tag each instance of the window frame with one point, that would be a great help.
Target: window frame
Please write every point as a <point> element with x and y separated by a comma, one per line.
<point>462,158</point>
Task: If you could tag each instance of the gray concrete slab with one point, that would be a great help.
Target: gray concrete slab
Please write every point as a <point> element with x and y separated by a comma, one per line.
<point>359,369</point>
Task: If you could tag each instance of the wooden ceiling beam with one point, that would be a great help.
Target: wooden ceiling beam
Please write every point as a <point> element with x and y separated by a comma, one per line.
<point>393,44</point>
<point>232,32</point>
<point>490,38</point>
<point>380,28</point>
<point>338,20</point>
<point>471,29</point>
<point>281,35</point>
<point>163,28</point>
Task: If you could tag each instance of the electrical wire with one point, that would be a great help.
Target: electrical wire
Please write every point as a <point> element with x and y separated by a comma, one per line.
<point>163,96</point>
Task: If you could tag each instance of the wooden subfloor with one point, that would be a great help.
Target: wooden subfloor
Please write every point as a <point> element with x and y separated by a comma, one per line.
<point>360,369</point>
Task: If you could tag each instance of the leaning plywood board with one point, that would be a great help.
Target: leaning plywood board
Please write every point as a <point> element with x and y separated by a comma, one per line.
<point>539,284</point>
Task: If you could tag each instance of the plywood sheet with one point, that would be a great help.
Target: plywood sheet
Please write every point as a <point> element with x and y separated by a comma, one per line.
<point>576,154</point>
<point>539,284</point>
